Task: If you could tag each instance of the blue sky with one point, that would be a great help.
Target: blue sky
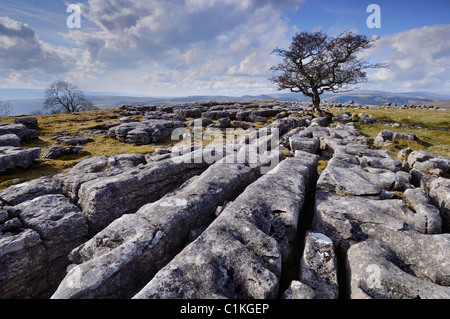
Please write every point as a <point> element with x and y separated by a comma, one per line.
<point>192,47</point>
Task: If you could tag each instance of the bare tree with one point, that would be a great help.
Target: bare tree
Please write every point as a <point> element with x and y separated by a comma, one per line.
<point>5,108</point>
<point>316,62</point>
<point>64,97</point>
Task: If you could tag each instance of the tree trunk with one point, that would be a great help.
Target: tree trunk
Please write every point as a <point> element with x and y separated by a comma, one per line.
<point>316,104</point>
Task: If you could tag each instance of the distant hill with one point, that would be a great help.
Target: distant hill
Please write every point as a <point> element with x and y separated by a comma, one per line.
<point>363,97</point>
<point>27,101</point>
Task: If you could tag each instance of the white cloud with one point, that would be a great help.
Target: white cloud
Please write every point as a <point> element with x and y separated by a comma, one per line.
<point>26,61</point>
<point>21,49</point>
<point>418,59</point>
<point>195,45</point>
<point>159,46</point>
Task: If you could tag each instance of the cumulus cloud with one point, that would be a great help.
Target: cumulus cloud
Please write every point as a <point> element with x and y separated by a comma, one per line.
<point>197,45</point>
<point>157,46</point>
<point>418,59</point>
<point>21,50</point>
<point>157,26</point>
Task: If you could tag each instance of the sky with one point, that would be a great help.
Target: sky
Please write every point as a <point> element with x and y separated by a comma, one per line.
<point>211,47</point>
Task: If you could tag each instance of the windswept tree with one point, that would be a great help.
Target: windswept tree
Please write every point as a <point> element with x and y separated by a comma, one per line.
<point>64,97</point>
<point>316,62</point>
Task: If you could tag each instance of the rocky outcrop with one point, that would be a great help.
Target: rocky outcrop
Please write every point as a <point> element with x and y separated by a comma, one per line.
<point>20,130</point>
<point>232,220</point>
<point>310,145</point>
<point>385,137</point>
<point>255,229</point>
<point>9,140</point>
<point>134,247</point>
<point>428,162</point>
<point>38,231</point>
<point>11,157</point>
<point>318,271</point>
<point>58,151</point>
<point>144,132</point>
<point>30,122</point>
<point>376,270</point>
<point>17,194</point>
<point>381,238</point>
<point>438,189</point>
<point>11,154</point>
<point>106,188</point>
<point>72,140</point>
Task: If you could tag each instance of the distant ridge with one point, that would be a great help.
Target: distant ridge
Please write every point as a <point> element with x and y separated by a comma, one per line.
<point>27,101</point>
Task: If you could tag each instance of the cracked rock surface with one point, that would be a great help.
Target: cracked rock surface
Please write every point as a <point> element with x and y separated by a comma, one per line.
<point>260,221</point>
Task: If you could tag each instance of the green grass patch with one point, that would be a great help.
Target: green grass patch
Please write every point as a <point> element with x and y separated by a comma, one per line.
<point>71,124</point>
<point>322,165</point>
<point>430,138</point>
<point>422,118</point>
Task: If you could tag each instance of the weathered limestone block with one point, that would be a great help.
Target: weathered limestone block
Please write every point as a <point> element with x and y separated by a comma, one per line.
<point>11,225</point>
<point>18,129</point>
<point>144,132</point>
<point>72,140</point>
<point>243,116</point>
<point>231,259</point>
<point>420,203</point>
<point>17,194</point>
<point>192,113</point>
<point>23,265</point>
<point>349,220</point>
<point>429,163</point>
<point>347,179</point>
<point>9,140</point>
<point>333,137</point>
<point>215,115</point>
<point>310,145</point>
<point>361,172</point>
<point>94,168</point>
<point>148,239</point>
<point>239,255</point>
<point>298,290</point>
<point>57,151</point>
<point>4,216</point>
<point>60,224</point>
<point>30,122</point>
<point>360,155</point>
<point>61,227</point>
<point>385,137</point>
<point>402,156</point>
<point>318,266</point>
<point>265,112</point>
<point>31,271</point>
<point>438,189</point>
<point>203,122</point>
<point>358,214</point>
<point>243,125</point>
<point>376,271</point>
<point>104,199</point>
<point>11,157</point>
<point>366,119</point>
